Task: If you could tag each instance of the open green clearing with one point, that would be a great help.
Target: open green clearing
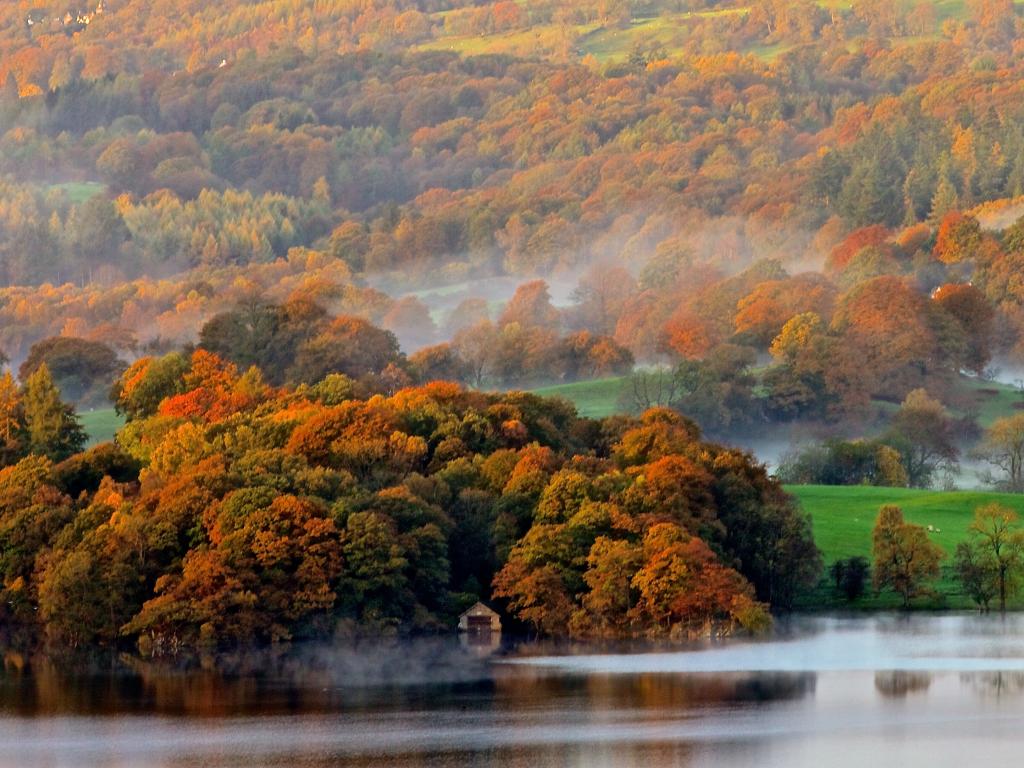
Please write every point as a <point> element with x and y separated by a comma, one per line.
<point>605,43</point>
<point>667,31</point>
<point>101,424</point>
<point>994,401</point>
<point>78,191</point>
<point>595,399</point>
<point>844,516</point>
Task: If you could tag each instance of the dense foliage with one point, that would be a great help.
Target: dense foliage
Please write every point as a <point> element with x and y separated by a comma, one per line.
<point>140,143</point>
<point>274,227</point>
<point>230,511</point>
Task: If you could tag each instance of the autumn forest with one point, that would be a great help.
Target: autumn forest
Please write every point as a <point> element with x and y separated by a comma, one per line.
<point>311,259</point>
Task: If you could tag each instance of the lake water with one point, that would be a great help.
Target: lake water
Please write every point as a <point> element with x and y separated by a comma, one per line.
<point>875,691</point>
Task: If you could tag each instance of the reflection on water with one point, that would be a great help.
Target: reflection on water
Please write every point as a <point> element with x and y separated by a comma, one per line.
<point>897,683</point>
<point>942,691</point>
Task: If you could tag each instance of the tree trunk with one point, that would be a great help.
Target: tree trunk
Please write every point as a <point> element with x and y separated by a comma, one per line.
<point>1002,590</point>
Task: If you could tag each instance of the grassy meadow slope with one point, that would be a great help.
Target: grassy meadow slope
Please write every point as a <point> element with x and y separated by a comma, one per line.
<point>101,424</point>
<point>844,516</point>
<point>595,399</point>
<point>993,400</point>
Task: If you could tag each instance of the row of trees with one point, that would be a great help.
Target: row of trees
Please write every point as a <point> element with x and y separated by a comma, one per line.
<point>920,445</point>
<point>299,342</point>
<point>49,238</point>
<point>918,448</point>
<point>988,564</point>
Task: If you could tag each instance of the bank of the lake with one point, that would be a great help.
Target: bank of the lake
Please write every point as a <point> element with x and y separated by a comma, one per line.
<point>843,518</point>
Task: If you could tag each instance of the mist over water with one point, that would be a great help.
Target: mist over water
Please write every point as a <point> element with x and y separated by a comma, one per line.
<point>928,644</point>
<point>895,690</point>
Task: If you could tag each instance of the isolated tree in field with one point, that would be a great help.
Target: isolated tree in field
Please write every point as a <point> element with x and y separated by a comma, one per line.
<point>904,559</point>
<point>922,431</point>
<point>975,573</point>
<point>53,427</point>
<point>999,541</point>
<point>1003,448</point>
<point>889,469</point>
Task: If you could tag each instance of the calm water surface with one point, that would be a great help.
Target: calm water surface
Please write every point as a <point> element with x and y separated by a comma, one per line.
<point>879,691</point>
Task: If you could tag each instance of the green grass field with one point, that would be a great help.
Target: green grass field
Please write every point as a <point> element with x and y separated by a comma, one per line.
<point>101,424</point>
<point>79,191</point>
<point>594,399</point>
<point>843,518</point>
<point>994,401</point>
<point>667,30</point>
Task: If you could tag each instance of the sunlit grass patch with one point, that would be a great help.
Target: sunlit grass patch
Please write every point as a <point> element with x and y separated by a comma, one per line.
<point>844,516</point>
<point>79,191</point>
<point>101,424</point>
<point>595,399</point>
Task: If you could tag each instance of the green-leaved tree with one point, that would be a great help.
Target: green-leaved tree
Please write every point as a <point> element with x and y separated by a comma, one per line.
<point>996,550</point>
<point>52,426</point>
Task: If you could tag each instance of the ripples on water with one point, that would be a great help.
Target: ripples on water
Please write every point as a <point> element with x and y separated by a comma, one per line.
<point>918,691</point>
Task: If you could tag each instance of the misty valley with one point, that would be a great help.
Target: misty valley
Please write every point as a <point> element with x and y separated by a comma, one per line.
<point>511,382</point>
